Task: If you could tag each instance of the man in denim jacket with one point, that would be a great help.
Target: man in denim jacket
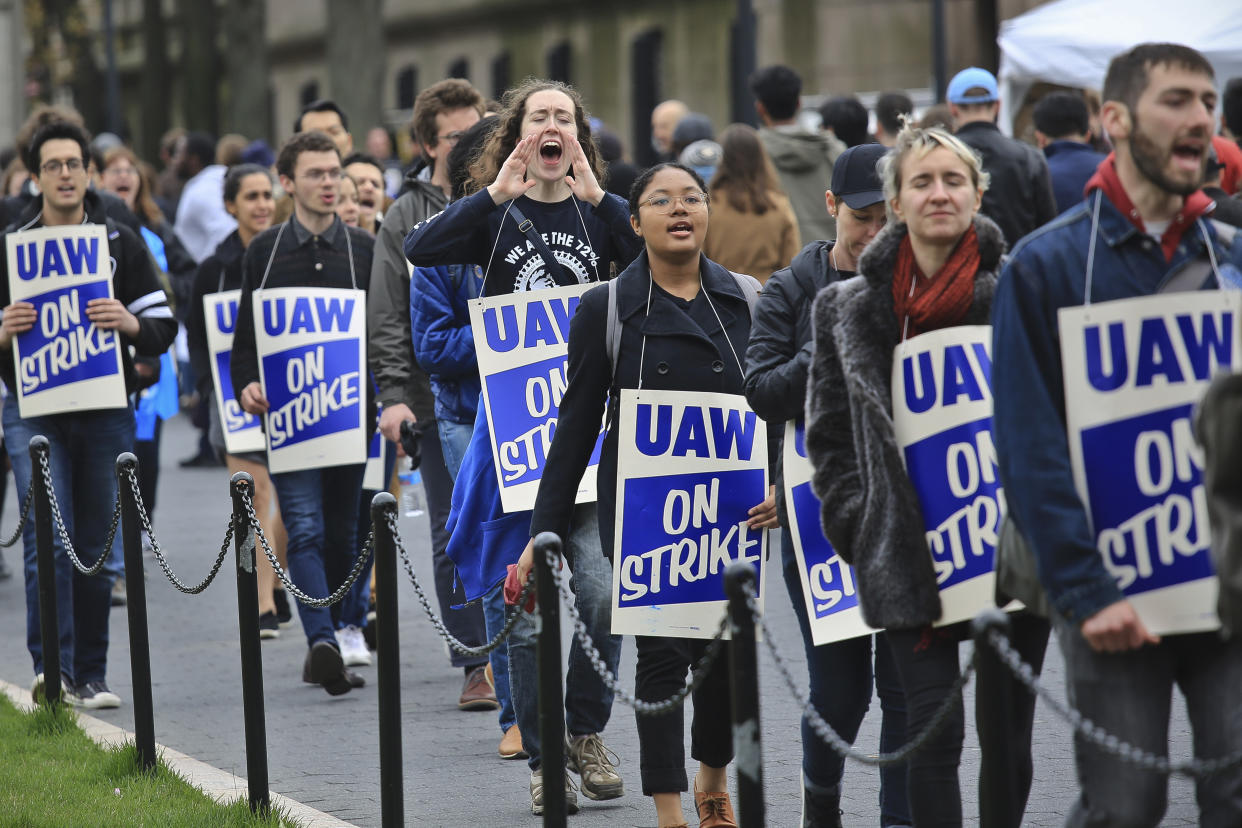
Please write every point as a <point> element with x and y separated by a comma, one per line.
<point>1144,217</point>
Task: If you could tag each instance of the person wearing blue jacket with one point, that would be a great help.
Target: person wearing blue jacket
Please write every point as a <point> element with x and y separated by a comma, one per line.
<point>538,219</point>
<point>1142,225</point>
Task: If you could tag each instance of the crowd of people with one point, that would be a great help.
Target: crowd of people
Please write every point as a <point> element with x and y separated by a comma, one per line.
<point>784,264</point>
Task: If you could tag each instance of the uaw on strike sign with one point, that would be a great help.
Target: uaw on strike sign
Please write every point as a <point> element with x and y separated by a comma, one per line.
<point>241,429</point>
<point>522,343</point>
<point>689,467</point>
<point>64,363</point>
<point>942,419</point>
<point>312,363</point>
<point>1134,370</point>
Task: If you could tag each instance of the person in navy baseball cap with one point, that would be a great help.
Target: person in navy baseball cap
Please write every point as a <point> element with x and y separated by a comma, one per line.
<point>973,86</point>
<point>854,177</point>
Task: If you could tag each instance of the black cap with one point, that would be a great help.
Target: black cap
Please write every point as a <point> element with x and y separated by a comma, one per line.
<point>855,179</point>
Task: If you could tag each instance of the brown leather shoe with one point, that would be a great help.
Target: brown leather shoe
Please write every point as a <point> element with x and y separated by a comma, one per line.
<point>475,694</point>
<point>714,807</point>
<point>511,744</point>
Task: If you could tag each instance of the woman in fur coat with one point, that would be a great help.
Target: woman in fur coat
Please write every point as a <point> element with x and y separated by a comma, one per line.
<point>934,266</point>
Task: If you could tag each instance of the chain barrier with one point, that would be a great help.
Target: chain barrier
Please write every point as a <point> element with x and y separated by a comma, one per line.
<point>436,621</point>
<point>359,562</point>
<point>645,708</point>
<point>21,522</point>
<point>824,730</point>
<point>1098,736</point>
<point>145,519</point>
<point>59,523</point>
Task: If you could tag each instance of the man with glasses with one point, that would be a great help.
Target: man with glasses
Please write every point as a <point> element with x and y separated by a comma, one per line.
<point>442,112</point>
<point>84,444</point>
<point>319,507</point>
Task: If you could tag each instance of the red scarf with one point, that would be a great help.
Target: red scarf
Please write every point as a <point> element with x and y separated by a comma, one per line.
<point>1107,180</point>
<point>941,301</point>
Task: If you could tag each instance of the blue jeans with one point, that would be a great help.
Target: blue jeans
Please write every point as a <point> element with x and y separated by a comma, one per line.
<point>84,447</point>
<point>1129,694</point>
<point>454,440</point>
<point>320,510</point>
<point>841,679</point>
<point>588,701</point>
<point>494,615</point>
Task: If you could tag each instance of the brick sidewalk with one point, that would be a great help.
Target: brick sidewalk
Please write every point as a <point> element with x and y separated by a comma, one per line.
<point>323,751</point>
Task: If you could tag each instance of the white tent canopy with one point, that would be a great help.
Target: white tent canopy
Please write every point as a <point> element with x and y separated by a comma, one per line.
<point>1070,42</point>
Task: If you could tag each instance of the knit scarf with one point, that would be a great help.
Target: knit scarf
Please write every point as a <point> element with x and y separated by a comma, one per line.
<point>941,301</point>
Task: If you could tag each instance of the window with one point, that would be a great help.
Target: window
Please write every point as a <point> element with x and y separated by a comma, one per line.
<point>502,69</point>
<point>459,68</point>
<point>559,62</point>
<point>646,58</point>
<point>407,87</point>
<point>309,92</point>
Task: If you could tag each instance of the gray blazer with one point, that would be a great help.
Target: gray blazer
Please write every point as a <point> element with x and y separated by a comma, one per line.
<point>870,511</point>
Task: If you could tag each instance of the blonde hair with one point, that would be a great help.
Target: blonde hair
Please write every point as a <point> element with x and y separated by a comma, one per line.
<point>919,141</point>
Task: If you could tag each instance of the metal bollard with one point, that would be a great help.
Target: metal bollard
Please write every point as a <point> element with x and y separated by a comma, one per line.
<point>49,624</point>
<point>251,654</point>
<point>744,693</point>
<point>388,654</point>
<point>551,696</point>
<point>996,722</point>
<point>136,608</point>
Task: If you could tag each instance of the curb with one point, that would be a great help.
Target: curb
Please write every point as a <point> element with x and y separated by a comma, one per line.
<point>220,785</point>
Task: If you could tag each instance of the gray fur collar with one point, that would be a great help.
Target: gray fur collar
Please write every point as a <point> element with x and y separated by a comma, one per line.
<point>877,261</point>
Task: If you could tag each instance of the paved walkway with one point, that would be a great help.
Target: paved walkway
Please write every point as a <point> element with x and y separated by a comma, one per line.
<point>324,751</point>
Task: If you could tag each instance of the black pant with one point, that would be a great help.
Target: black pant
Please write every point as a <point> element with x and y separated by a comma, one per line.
<point>148,454</point>
<point>663,664</point>
<point>927,660</point>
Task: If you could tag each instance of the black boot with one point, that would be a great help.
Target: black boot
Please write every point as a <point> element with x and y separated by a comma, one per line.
<point>820,808</point>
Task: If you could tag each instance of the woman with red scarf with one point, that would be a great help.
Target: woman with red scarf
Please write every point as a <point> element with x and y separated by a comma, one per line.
<point>933,266</point>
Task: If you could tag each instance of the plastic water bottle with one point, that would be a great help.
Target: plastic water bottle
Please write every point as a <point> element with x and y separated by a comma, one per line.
<point>413,497</point>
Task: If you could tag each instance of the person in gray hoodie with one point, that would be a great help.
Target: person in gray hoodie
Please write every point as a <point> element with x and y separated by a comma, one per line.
<point>802,158</point>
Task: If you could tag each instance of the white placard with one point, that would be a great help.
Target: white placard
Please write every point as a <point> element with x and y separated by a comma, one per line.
<point>1134,370</point>
<point>64,363</point>
<point>312,365</point>
<point>829,586</point>
<point>243,432</point>
<point>522,344</point>
<point>690,466</point>
<point>942,419</point>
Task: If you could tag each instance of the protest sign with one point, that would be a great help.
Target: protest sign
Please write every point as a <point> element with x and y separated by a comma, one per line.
<point>942,419</point>
<point>312,364</point>
<point>521,340</point>
<point>64,363</point>
<point>1134,369</point>
<point>828,583</point>
<point>377,448</point>
<point>689,467</point>
<point>242,430</point>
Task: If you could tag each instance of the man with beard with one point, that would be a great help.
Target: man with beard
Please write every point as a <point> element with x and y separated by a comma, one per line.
<point>1142,224</point>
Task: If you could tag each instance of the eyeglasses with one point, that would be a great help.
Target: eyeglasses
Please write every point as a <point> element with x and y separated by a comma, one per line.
<point>451,137</point>
<point>662,204</point>
<point>54,167</point>
<point>315,176</point>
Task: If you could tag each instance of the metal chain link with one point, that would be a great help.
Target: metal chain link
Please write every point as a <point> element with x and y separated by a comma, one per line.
<point>290,587</point>
<point>1097,735</point>
<point>829,736</point>
<point>59,522</point>
<point>436,621</point>
<point>145,520</point>
<point>21,523</point>
<point>645,708</point>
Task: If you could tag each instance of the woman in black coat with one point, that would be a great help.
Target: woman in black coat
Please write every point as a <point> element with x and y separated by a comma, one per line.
<point>695,320</point>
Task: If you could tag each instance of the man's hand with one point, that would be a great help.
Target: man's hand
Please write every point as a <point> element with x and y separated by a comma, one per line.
<point>1116,629</point>
<point>764,515</point>
<point>19,317</point>
<point>391,418</point>
<point>112,315</point>
<point>253,401</point>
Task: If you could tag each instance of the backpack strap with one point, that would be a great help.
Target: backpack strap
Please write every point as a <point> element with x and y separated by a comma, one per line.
<point>749,286</point>
<point>541,247</point>
<point>612,327</point>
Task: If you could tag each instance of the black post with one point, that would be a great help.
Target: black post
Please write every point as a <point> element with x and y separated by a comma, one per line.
<point>551,697</point>
<point>996,719</point>
<point>251,656</point>
<point>136,607</point>
<point>744,690</point>
<point>940,50</point>
<point>49,625</point>
<point>388,654</point>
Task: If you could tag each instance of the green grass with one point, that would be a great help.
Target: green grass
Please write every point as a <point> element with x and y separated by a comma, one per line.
<point>52,774</point>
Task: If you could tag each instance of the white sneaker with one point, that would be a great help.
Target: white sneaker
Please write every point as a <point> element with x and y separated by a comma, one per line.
<point>67,695</point>
<point>353,647</point>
